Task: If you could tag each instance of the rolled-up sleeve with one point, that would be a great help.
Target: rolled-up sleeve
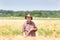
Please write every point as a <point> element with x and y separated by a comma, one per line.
<point>35,28</point>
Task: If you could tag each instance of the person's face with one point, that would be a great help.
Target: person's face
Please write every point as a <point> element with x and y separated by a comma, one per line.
<point>28,19</point>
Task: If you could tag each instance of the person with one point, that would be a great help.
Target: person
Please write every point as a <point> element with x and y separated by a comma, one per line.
<point>29,28</point>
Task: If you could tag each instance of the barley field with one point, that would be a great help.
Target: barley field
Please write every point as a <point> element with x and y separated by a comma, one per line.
<point>47,30</point>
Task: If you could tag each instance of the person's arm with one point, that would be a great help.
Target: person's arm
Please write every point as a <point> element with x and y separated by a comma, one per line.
<point>35,28</point>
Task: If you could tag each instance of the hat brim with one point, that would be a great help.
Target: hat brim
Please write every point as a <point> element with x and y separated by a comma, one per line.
<point>28,16</point>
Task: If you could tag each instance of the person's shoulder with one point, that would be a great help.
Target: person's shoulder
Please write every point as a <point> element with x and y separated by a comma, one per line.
<point>33,22</point>
<point>24,22</point>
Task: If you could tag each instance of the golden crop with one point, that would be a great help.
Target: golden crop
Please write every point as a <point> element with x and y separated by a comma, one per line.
<point>12,28</point>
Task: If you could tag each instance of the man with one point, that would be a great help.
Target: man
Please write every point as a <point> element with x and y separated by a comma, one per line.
<point>29,28</point>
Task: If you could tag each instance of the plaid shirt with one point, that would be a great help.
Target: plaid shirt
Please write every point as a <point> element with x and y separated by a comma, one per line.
<point>26,28</point>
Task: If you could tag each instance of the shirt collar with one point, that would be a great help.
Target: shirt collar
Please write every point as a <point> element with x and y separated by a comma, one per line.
<point>28,22</point>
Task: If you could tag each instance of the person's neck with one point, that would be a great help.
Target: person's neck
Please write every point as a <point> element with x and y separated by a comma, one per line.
<point>28,21</point>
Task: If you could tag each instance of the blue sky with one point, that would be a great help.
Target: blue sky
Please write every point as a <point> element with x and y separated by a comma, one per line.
<point>18,5</point>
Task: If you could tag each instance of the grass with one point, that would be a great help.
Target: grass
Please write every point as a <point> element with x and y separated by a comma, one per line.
<point>45,27</point>
<point>11,18</point>
<point>8,30</point>
<point>45,32</point>
<point>22,18</point>
<point>11,29</point>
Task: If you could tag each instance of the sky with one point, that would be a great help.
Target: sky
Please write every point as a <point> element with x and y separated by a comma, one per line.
<point>29,5</point>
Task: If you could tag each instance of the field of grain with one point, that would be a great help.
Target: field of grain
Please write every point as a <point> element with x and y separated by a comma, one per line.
<point>47,30</point>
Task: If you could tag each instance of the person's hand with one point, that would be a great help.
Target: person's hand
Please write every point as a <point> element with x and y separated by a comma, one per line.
<point>31,29</point>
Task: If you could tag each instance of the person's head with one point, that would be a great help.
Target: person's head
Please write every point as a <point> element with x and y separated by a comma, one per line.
<point>28,17</point>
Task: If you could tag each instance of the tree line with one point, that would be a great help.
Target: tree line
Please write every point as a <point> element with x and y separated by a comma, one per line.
<point>35,13</point>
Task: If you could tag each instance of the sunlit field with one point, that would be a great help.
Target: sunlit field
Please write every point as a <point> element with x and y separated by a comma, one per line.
<point>48,29</point>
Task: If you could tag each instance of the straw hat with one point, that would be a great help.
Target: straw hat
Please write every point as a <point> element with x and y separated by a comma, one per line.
<point>28,16</point>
